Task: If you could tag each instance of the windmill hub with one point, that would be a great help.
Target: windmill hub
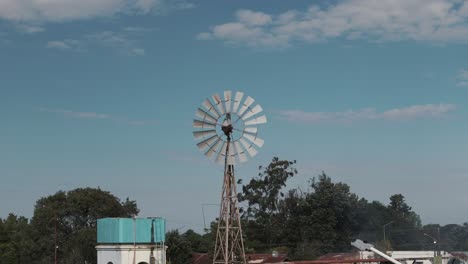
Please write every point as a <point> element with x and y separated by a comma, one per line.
<point>227,130</point>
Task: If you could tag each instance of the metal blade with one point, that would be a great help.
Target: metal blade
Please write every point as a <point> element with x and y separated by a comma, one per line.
<point>210,107</point>
<point>251,130</point>
<point>227,101</point>
<point>219,103</point>
<point>213,149</point>
<point>237,100</point>
<point>256,121</point>
<point>257,141</point>
<point>205,133</point>
<point>203,124</point>
<point>248,102</point>
<point>257,109</point>
<point>240,152</point>
<point>222,153</point>
<point>207,142</point>
<point>205,115</point>
<point>248,147</point>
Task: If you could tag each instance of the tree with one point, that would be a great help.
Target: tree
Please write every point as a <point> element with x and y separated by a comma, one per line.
<point>263,195</point>
<point>329,213</point>
<point>406,224</point>
<point>14,240</point>
<point>74,215</point>
<point>198,243</point>
<point>179,250</point>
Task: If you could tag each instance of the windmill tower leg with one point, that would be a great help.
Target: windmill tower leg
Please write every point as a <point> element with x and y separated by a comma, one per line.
<point>229,247</point>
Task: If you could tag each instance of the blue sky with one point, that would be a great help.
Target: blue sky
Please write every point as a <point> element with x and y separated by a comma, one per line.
<point>103,93</point>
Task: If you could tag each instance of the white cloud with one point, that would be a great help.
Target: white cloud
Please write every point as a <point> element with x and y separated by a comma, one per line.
<point>138,51</point>
<point>95,116</point>
<point>252,18</point>
<point>74,114</point>
<point>66,10</point>
<point>396,114</point>
<point>66,44</point>
<point>440,21</point>
<point>138,29</point>
<point>30,29</point>
<point>462,78</point>
<point>58,45</point>
<point>124,41</point>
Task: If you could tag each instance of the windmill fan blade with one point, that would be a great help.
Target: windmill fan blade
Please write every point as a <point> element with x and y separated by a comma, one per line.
<point>218,103</point>
<point>206,133</point>
<point>203,124</point>
<point>213,149</point>
<point>248,102</point>
<point>210,107</point>
<point>222,153</point>
<point>237,100</point>
<point>256,121</point>
<point>227,101</point>
<point>257,141</point>
<point>240,152</point>
<point>257,109</point>
<point>205,115</point>
<point>207,142</point>
<point>228,110</point>
<point>248,147</point>
<point>251,130</point>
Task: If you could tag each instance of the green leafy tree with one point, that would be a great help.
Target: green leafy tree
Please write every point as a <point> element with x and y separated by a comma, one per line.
<point>198,243</point>
<point>263,195</point>
<point>179,250</point>
<point>328,217</point>
<point>406,224</point>
<point>74,215</point>
<point>14,240</point>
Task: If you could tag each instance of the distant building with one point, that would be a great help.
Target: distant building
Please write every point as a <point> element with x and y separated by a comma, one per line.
<point>131,241</point>
<point>405,257</point>
<point>203,258</point>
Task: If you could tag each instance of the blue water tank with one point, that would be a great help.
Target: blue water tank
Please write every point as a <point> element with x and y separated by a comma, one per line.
<point>130,230</point>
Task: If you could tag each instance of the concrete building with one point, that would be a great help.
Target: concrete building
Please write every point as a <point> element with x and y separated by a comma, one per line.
<point>131,241</point>
<point>405,257</point>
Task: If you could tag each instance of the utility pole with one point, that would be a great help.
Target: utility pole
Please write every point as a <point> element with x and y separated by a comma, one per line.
<point>435,243</point>
<point>55,240</point>
<point>384,238</point>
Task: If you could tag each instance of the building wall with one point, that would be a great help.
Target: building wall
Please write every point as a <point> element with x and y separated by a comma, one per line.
<point>407,257</point>
<point>124,254</point>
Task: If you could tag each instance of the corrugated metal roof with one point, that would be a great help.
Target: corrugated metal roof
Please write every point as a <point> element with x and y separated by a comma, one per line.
<point>203,258</point>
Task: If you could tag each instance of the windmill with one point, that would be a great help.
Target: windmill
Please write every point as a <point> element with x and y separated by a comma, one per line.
<point>226,131</point>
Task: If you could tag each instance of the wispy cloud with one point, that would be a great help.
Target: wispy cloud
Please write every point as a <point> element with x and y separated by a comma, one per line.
<point>396,114</point>
<point>439,21</point>
<point>138,29</point>
<point>56,44</point>
<point>462,78</point>
<point>75,114</point>
<point>61,10</point>
<point>94,116</point>
<point>125,41</point>
<point>65,10</point>
<point>29,28</point>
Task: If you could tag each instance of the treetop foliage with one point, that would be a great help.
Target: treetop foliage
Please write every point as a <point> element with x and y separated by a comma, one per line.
<point>73,214</point>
